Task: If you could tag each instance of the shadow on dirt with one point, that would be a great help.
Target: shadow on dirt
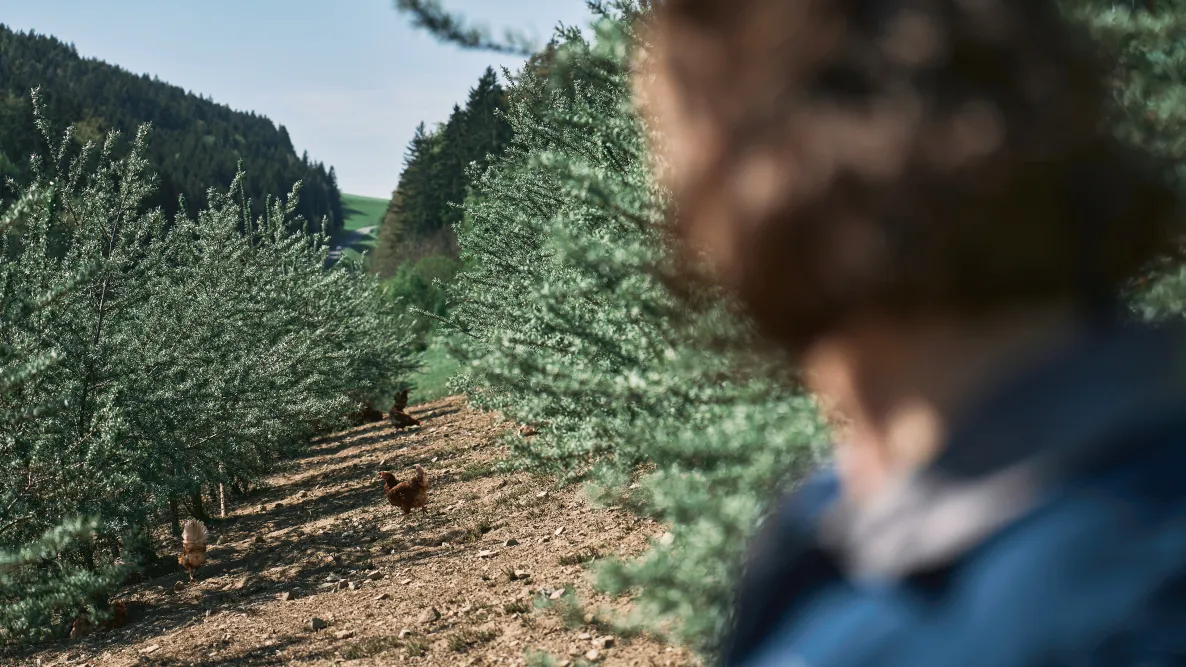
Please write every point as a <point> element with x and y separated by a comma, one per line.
<point>296,526</point>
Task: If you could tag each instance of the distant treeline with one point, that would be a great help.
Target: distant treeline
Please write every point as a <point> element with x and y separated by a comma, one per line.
<point>195,143</point>
<point>426,204</point>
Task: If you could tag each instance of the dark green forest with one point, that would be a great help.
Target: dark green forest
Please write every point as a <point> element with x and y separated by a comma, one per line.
<point>426,204</point>
<point>196,143</point>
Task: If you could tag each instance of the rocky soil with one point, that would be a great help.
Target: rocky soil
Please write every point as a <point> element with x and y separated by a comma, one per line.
<point>318,569</point>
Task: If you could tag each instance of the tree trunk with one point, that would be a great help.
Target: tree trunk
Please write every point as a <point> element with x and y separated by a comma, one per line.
<point>175,519</point>
<point>221,496</point>
<point>196,508</point>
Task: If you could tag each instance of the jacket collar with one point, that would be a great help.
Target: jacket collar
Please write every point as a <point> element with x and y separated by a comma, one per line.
<point>1071,413</point>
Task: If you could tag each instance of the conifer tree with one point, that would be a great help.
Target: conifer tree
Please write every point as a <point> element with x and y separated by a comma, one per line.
<point>427,203</point>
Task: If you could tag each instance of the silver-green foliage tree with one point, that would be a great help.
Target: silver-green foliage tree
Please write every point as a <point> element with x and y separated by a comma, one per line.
<point>1146,39</point>
<point>186,353</point>
<point>33,585</point>
<point>567,318</point>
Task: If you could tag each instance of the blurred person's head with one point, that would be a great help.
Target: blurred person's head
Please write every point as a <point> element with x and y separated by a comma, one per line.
<point>887,183</point>
<point>845,159</point>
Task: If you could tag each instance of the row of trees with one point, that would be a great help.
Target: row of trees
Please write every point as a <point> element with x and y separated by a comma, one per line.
<point>145,359</point>
<point>196,142</point>
<point>564,317</point>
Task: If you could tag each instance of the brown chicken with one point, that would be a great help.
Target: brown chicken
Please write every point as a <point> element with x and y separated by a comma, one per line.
<point>397,416</point>
<point>401,401</point>
<point>406,495</point>
<point>83,625</point>
<point>193,547</point>
<point>402,419</point>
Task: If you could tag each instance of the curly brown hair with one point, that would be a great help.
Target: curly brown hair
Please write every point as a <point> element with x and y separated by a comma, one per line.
<point>897,158</point>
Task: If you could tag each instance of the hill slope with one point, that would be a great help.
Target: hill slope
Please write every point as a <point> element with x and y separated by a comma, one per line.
<point>323,533</point>
<point>195,144</point>
<point>360,211</point>
<point>362,217</point>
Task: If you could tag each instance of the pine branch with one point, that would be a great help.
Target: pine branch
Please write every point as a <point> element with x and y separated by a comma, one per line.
<point>452,28</point>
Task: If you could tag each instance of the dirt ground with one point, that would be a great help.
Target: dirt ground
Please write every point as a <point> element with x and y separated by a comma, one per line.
<point>485,577</point>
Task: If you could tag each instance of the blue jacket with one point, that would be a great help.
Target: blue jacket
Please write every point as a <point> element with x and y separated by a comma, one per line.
<point>1050,533</point>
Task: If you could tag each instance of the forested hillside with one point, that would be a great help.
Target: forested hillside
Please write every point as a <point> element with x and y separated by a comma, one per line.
<point>196,143</point>
<point>426,204</point>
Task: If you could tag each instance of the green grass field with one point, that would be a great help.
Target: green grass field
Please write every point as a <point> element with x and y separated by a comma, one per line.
<point>360,212</point>
<point>438,367</point>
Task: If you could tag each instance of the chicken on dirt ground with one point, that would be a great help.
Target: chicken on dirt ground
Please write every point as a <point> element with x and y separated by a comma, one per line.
<point>406,495</point>
<point>193,547</point>
<point>403,420</point>
<point>401,401</point>
<point>398,417</point>
<point>83,625</point>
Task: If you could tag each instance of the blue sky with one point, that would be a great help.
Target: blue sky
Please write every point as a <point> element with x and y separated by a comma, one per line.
<point>350,79</point>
